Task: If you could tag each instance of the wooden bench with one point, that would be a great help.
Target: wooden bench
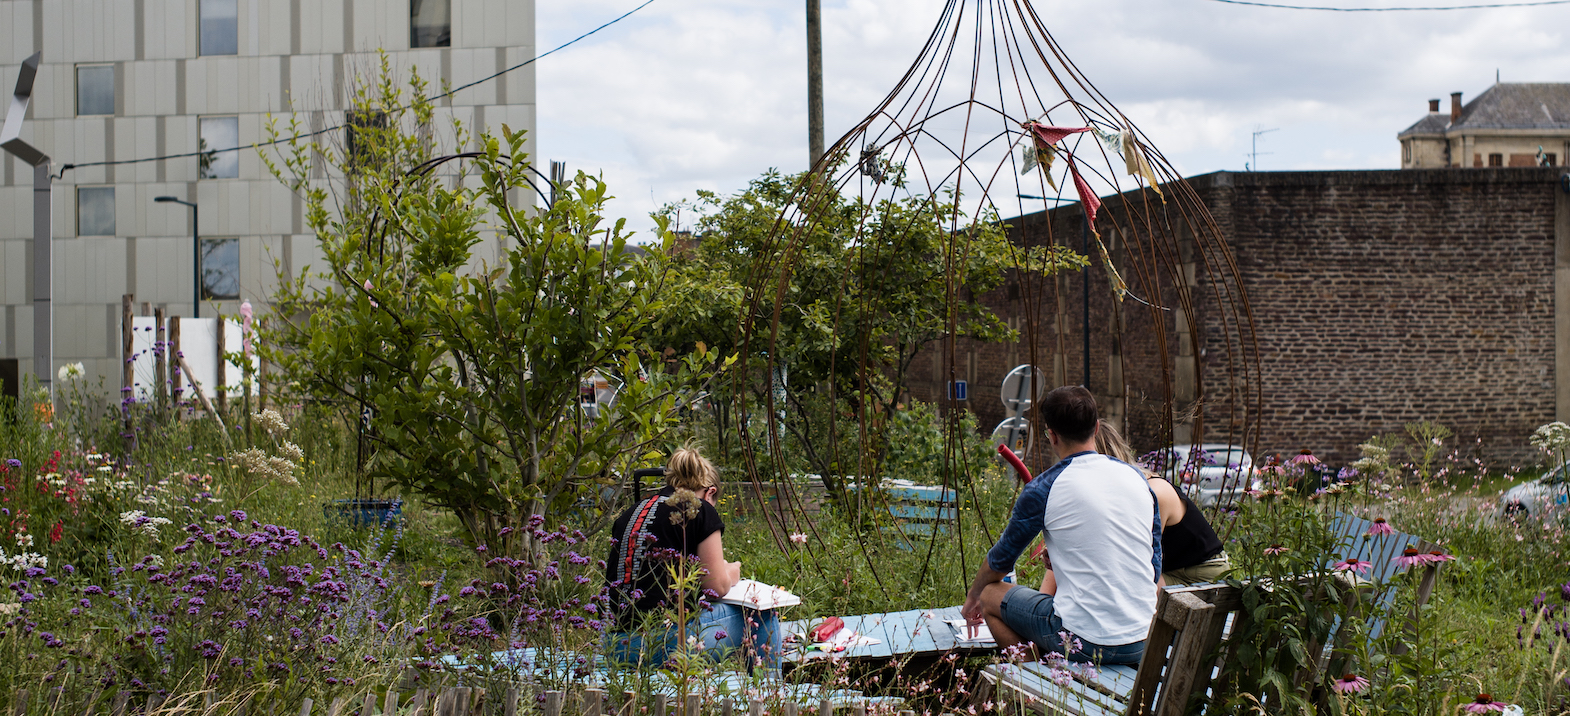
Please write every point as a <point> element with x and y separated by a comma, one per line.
<point>1184,650</point>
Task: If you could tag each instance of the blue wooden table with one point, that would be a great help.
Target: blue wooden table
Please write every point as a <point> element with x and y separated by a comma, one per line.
<point>915,632</point>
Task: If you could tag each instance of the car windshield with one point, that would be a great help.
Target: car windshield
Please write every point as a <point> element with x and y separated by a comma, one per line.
<point>1229,458</point>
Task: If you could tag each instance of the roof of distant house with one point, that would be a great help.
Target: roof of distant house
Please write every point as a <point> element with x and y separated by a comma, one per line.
<point>1536,105</point>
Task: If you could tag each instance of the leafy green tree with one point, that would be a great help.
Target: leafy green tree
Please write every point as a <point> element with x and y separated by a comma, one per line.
<point>467,373</point>
<point>871,283</point>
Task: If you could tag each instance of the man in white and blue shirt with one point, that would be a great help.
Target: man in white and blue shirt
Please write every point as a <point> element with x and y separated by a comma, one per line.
<point>1103,535</point>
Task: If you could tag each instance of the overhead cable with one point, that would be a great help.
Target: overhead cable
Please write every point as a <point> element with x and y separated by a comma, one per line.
<point>336,127</point>
<point>1393,9</point>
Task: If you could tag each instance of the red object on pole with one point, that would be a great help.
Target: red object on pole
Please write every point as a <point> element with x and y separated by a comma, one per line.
<point>1008,454</point>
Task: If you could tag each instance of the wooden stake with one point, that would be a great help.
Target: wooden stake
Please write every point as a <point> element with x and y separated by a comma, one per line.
<point>860,709</point>
<point>160,362</point>
<point>120,700</point>
<point>477,701</point>
<point>336,707</point>
<point>510,708</point>
<point>725,707</point>
<point>661,704</point>
<point>629,703</point>
<point>825,707</point>
<point>417,704</point>
<point>791,708</point>
<point>92,702</point>
<point>221,380</point>
<point>368,706</point>
<point>19,703</point>
<point>755,707</point>
<point>593,701</point>
<point>694,705</point>
<point>305,707</point>
<point>553,703</point>
<point>176,363</point>
<point>390,704</point>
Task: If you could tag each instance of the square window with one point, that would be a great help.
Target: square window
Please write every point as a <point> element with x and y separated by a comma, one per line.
<point>220,27</point>
<point>95,211</point>
<point>1550,159</point>
<point>1496,160</point>
<point>430,23</point>
<point>216,134</point>
<point>220,269</point>
<point>95,89</point>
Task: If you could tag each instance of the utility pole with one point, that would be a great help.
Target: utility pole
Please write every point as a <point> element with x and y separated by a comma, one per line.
<point>43,249</point>
<point>814,81</point>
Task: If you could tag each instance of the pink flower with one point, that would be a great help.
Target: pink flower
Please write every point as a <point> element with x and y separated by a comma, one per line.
<point>798,537</point>
<point>1305,457</point>
<point>368,284</point>
<point>1484,704</point>
<point>1275,549</point>
<point>1410,557</point>
<point>1380,527</point>
<point>245,326</point>
<point>1438,556</point>
<point>1349,684</point>
<point>1353,564</point>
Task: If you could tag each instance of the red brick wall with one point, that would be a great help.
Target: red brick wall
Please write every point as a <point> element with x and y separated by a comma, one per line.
<point>1379,298</point>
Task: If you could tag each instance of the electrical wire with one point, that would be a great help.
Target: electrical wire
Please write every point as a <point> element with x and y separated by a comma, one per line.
<point>1393,9</point>
<point>66,167</point>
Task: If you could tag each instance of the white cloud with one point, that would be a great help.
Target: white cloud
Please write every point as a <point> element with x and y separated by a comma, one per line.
<point>690,94</point>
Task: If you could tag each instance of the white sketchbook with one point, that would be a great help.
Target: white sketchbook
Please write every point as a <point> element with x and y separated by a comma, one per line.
<point>964,635</point>
<point>757,595</point>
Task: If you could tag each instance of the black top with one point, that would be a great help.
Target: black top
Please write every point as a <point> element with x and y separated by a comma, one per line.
<point>644,541</point>
<point>1190,541</point>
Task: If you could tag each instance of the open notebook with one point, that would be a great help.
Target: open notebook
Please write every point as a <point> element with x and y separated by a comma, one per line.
<point>966,635</point>
<point>757,595</point>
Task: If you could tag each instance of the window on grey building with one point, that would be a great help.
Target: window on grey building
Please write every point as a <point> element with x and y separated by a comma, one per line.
<point>95,89</point>
<point>95,211</point>
<point>430,23</point>
<point>215,134</point>
<point>220,27</point>
<point>220,269</point>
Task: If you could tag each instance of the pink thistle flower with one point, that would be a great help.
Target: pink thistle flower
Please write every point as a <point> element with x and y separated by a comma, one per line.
<point>1353,564</point>
<point>798,537</point>
<point>1275,549</point>
<point>1410,557</point>
<point>1380,527</point>
<point>1305,457</point>
<point>1349,684</point>
<point>1483,704</point>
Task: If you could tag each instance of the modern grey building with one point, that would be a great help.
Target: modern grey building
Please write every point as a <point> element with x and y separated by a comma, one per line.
<point>132,79</point>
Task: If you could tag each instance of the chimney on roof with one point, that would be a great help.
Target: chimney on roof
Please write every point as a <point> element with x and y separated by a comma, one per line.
<point>1455,106</point>
<point>1433,106</point>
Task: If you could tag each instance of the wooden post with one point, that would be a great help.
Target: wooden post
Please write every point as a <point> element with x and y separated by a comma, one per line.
<point>160,362</point>
<point>92,702</point>
<point>825,707</point>
<point>120,701</point>
<point>553,703</point>
<point>460,706</point>
<point>336,707</point>
<point>726,708</point>
<point>417,704</point>
<point>207,703</point>
<point>221,385</point>
<point>305,707</point>
<point>693,705</point>
<point>593,701</point>
<point>661,704</point>
<point>755,707</point>
<point>127,337</point>
<point>790,706</point>
<point>19,703</point>
<point>175,360</point>
<point>629,703</point>
<point>261,385</point>
<point>368,706</point>
<point>510,708</point>
<point>860,709</point>
<point>390,704</point>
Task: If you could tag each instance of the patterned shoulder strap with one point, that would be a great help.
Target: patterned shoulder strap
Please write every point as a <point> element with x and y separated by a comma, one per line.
<point>635,541</point>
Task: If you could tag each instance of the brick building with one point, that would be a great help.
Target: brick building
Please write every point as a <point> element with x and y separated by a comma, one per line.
<point>1378,298</point>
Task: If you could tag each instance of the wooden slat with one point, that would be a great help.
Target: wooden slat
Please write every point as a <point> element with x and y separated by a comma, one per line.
<point>120,701</point>
<point>553,702</point>
<point>390,704</point>
<point>1152,664</point>
<point>694,705</point>
<point>1189,655</point>
<point>305,706</point>
<point>368,706</point>
<point>593,702</point>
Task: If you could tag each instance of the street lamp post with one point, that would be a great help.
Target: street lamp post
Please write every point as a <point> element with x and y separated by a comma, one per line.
<point>196,256</point>
<point>43,249</point>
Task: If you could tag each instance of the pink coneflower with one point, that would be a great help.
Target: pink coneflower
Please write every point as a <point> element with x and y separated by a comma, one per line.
<point>1353,564</point>
<point>1275,549</point>
<point>1349,684</point>
<point>1438,556</point>
<point>1410,557</point>
<point>1305,457</point>
<point>1380,527</point>
<point>1484,704</point>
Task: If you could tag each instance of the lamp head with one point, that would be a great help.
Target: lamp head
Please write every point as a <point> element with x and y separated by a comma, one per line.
<point>164,199</point>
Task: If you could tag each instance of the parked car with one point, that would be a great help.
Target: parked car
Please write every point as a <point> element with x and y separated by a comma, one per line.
<point>1537,498</point>
<point>1217,473</point>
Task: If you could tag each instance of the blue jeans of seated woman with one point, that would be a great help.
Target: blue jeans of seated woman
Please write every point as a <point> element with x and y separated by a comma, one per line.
<point>722,628</point>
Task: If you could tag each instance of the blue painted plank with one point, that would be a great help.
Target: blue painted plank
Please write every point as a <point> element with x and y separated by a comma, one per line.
<point>1033,680</point>
<point>912,632</point>
<point>917,512</point>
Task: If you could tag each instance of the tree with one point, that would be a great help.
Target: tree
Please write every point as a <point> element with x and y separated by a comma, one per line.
<point>467,375</point>
<point>870,285</point>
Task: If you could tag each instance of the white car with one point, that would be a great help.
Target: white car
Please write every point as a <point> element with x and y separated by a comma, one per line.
<point>1218,469</point>
<point>1537,498</point>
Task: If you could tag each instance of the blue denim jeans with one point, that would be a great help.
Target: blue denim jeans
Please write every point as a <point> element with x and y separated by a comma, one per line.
<point>722,628</point>
<point>1031,615</point>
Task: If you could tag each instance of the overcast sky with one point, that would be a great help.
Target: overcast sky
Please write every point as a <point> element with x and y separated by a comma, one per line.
<point>706,94</point>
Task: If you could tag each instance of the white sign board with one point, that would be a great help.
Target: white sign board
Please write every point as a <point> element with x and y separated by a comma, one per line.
<point>199,346</point>
<point>1022,387</point>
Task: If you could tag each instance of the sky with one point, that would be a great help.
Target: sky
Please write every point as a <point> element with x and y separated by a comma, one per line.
<point>708,94</point>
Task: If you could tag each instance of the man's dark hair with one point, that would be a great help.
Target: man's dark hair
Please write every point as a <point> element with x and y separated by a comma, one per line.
<point>1070,411</point>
